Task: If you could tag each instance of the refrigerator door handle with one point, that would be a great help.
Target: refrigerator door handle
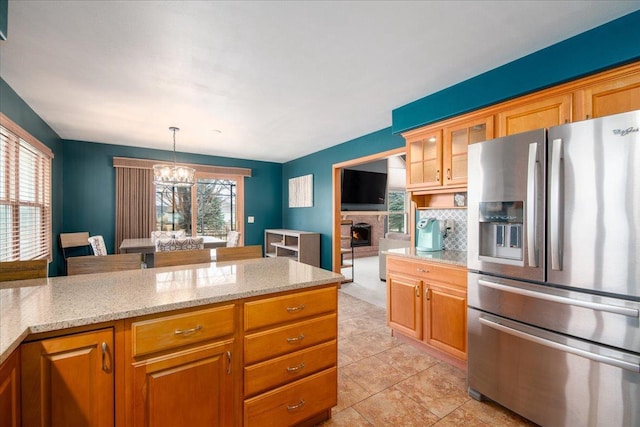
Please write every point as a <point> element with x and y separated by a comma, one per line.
<point>615,309</point>
<point>633,367</point>
<point>532,195</point>
<point>555,205</point>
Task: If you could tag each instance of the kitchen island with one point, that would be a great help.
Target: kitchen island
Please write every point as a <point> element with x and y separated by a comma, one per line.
<point>214,325</point>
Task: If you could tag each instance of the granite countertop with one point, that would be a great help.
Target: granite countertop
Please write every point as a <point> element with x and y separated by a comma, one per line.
<point>458,258</point>
<point>42,305</point>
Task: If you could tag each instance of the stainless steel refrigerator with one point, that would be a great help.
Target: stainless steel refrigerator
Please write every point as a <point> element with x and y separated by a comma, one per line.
<point>554,272</point>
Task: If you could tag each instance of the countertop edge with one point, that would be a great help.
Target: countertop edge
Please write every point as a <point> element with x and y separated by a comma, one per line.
<point>15,335</point>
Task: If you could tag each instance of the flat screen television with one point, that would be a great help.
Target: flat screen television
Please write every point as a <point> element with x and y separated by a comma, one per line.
<point>363,190</point>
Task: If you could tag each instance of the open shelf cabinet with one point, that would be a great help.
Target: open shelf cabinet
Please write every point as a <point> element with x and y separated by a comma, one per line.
<point>302,246</point>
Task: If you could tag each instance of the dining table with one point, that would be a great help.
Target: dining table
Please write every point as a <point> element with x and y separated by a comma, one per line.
<point>147,246</point>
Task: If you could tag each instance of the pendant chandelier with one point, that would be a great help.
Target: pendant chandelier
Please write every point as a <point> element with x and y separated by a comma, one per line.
<point>173,175</point>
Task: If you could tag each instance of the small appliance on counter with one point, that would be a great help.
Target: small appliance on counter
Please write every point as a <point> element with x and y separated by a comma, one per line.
<point>428,235</point>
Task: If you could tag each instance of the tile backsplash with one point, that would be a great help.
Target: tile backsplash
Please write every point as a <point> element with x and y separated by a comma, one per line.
<point>456,240</point>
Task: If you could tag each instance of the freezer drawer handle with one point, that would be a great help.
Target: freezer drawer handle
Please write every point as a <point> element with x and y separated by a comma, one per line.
<point>630,312</point>
<point>562,347</point>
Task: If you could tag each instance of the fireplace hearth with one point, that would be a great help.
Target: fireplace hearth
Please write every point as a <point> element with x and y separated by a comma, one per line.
<point>360,234</point>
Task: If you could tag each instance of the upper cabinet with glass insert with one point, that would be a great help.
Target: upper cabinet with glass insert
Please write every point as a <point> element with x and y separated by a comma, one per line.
<point>437,155</point>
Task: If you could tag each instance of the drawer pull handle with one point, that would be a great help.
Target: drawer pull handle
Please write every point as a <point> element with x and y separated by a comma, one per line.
<point>294,309</point>
<point>295,339</point>
<point>296,406</point>
<point>295,368</point>
<point>421,270</point>
<point>187,331</point>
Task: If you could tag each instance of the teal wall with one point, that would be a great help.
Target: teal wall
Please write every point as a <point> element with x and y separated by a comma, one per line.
<point>614,43</point>
<point>609,45</point>
<point>319,217</point>
<point>17,110</point>
<point>89,188</point>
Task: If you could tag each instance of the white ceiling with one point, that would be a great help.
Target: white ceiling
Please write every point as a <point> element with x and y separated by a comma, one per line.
<point>262,80</point>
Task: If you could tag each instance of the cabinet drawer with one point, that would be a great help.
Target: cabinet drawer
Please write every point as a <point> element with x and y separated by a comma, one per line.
<point>271,311</point>
<point>295,402</point>
<point>288,368</point>
<point>431,272</point>
<point>290,338</point>
<point>181,329</point>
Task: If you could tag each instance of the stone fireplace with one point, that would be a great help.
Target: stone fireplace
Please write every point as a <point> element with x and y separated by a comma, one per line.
<point>375,228</point>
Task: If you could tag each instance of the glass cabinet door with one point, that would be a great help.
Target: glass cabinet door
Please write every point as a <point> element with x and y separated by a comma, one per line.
<point>425,160</point>
<point>457,139</point>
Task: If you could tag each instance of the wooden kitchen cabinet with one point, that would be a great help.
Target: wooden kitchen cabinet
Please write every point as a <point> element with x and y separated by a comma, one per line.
<point>445,319</point>
<point>427,301</point>
<point>437,155</point>
<point>424,158</point>
<point>535,112</point>
<point>192,387</point>
<point>183,369</point>
<point>290,358</point>
<point>614,93</point>
<point>10,391</point>
<point>404,303</point>
<point>457,137</point>
<point>69,380</point>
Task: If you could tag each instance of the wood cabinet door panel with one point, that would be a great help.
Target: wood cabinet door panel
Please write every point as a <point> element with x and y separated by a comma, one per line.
<point>68,381</point>
<point>615,96</point>
<point>189,388</point>
<point>10,391</point>
<point>286,308</point>
<point>446,320</point>
<point>536,114</point>
<point>404,310</point>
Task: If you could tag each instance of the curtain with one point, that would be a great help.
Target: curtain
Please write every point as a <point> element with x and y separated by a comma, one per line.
<point>135,204</point>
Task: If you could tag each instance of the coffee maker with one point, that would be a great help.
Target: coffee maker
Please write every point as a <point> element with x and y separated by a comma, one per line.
<point>428,235</point>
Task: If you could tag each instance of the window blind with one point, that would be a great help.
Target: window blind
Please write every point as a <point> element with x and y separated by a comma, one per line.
<point>25,195</point>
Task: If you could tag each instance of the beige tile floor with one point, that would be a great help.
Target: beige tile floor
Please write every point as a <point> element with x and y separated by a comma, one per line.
<point>384,382</point>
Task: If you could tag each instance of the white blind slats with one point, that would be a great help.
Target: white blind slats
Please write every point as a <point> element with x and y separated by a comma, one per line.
<point>25,197</point>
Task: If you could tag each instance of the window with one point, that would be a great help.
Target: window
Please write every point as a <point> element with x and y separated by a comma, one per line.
<point>398,218</point>
<point>25,195</point>
<point>214,200</point>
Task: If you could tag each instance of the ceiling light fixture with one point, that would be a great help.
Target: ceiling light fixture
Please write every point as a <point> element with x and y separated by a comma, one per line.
<point>173,175</point>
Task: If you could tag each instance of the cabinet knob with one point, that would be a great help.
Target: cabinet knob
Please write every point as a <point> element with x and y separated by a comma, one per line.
<point>438,175</point>
<point>448,174</point>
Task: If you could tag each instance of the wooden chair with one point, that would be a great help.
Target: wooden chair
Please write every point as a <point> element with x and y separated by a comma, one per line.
<point>79,241</point>
<point>101,264</point>
<point>20,270</point>
<point>238,252</point>
<point>170,258</point>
